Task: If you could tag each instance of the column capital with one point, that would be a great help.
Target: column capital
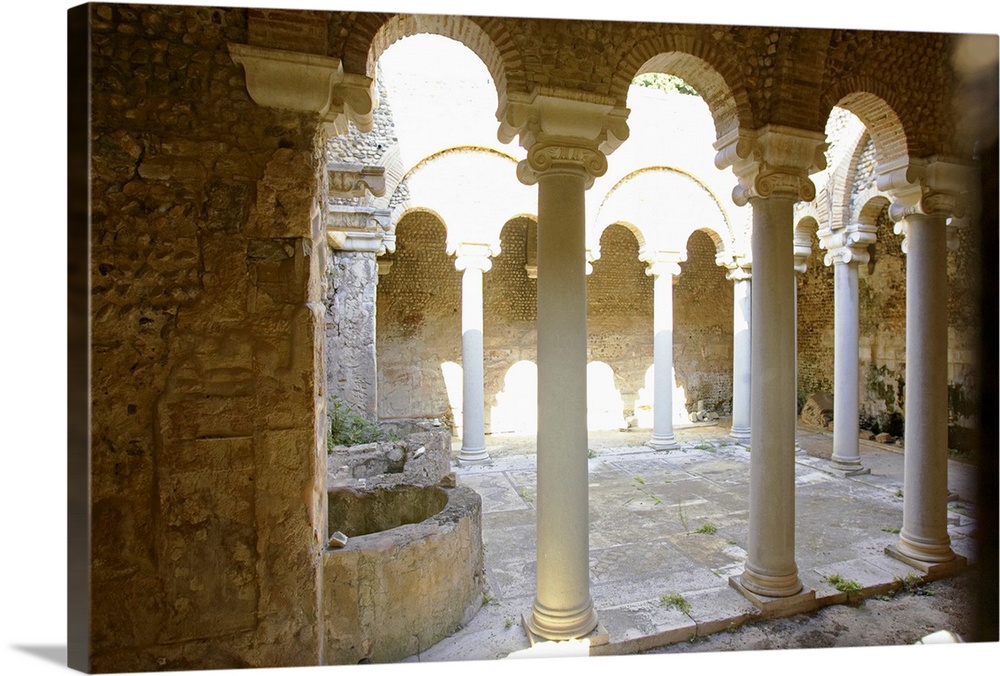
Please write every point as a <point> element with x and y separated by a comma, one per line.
<point>474,255</point>
<point>351,179</point>
<point>353,228</point>
<point>847,244</point>
<point>932,187</point>
<point>562,131</point>
<point>801,250</point>
<point>663,262</point>
<point>773,161</point>
<point>738,266</point>
<point>308,83</point>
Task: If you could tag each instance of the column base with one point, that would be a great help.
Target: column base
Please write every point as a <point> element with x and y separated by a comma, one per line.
<point>847,468</point>
<point>473,456</point>
<point>597,636</point>
<point>663,443</point>
<point>741,436</point>
<point>932,569</point>
<point>777,606</point>
<point>543,624</point>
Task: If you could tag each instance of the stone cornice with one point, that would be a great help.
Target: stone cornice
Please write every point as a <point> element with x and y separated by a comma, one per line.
<point>366,229</point>
<point>772,161</point>
<point>847,245</point>
<point>559,131</point>
<point>308,83</point>
<point>354,180</point>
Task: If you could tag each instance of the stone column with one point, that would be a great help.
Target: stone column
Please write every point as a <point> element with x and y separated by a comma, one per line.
<point>925,196</point>
<point>663,268</point>
<point>772,164</point>
<point>473,260</point>
<point>847,248</point>
<point>740,276</point>
<point>566,143</point>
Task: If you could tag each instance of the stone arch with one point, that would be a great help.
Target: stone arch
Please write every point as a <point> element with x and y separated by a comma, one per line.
<point>805,235</point>
<point>492,194</point>
<point>852,143</point>
<point>637,200</point>
<point>703,65</point>
<point>487,38</point>
<point>872,102</point>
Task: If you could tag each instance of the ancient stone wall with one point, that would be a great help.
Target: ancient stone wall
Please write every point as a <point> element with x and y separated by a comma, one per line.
<point>703,328</point>
<point>350,330</point>
<point>206,333</point>
<point>419,322</point>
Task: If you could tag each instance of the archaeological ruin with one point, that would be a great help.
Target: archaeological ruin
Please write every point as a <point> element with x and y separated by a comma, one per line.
<point>334,256</point>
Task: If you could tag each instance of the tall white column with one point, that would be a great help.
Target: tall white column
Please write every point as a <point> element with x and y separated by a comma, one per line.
<point>770,572</point>
<point>473,261</point>
<point>924,535</point>
<point>663,268</point>
<point>740,277</point>
<point>847,249</point>
<point>921,209</point>
<point>566,141</point>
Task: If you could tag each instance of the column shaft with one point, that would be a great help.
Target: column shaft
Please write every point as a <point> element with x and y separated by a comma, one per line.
<point>741,361</point>
<point>563,608</point>
<point>924,535</point>
<point>846,453</point>
<point>663,362</point>
<point>770,568</point>
<point>473,427</point>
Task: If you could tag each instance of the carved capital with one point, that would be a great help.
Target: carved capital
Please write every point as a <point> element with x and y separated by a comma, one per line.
<point>663,262</point>
<point>558,130</point>
<point>474,256</point>
<point>354,180</point>
<point>929,187</point>
<point>772,161</point>
<point>738,268</point>
<point>308,83</point>
<point>350,228</point>
<point>848,244</point>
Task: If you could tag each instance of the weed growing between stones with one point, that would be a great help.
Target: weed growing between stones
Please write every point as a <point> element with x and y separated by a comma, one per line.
<point>640,485</point>
<point>347,428</point>
<point>677,602</point>
<point>842,584</point>
<point>707,528</point>
<point>891,529</point>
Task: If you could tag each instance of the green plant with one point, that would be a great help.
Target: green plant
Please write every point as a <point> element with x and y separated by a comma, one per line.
<point>347,428</point>
<point>487,598</point>
<point>890,529</point>
<point>707,528</point>
<point>640,485</point>
<point>898,493</point>
<point>677,602</point>
<point>914,584</point>
<point>590,454</point>
<point>842,584</point>
<point>508,623</point>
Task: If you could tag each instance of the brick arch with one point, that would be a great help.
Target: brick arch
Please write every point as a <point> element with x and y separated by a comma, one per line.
<point>872,204</point>
<point>872,102</point>
<point>843,182</point>
<point>628,225</point>
<point>712,73</point>
<point>487,38</point>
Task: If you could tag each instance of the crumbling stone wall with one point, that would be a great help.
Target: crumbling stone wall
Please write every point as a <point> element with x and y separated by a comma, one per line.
<point>703,328</point>
<point>206,333</point>
<point>352,277</point>
<point>419,321</point>
<point>815,327</point>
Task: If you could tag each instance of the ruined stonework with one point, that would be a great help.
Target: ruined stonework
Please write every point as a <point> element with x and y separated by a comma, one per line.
<point>207,262</point>
<point>350,330</point>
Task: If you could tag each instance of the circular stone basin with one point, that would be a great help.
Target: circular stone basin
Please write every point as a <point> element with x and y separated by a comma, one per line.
<point>356,514</point>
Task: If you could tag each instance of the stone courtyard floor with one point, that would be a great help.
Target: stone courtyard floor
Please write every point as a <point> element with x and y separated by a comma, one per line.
<point>673,524</point>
